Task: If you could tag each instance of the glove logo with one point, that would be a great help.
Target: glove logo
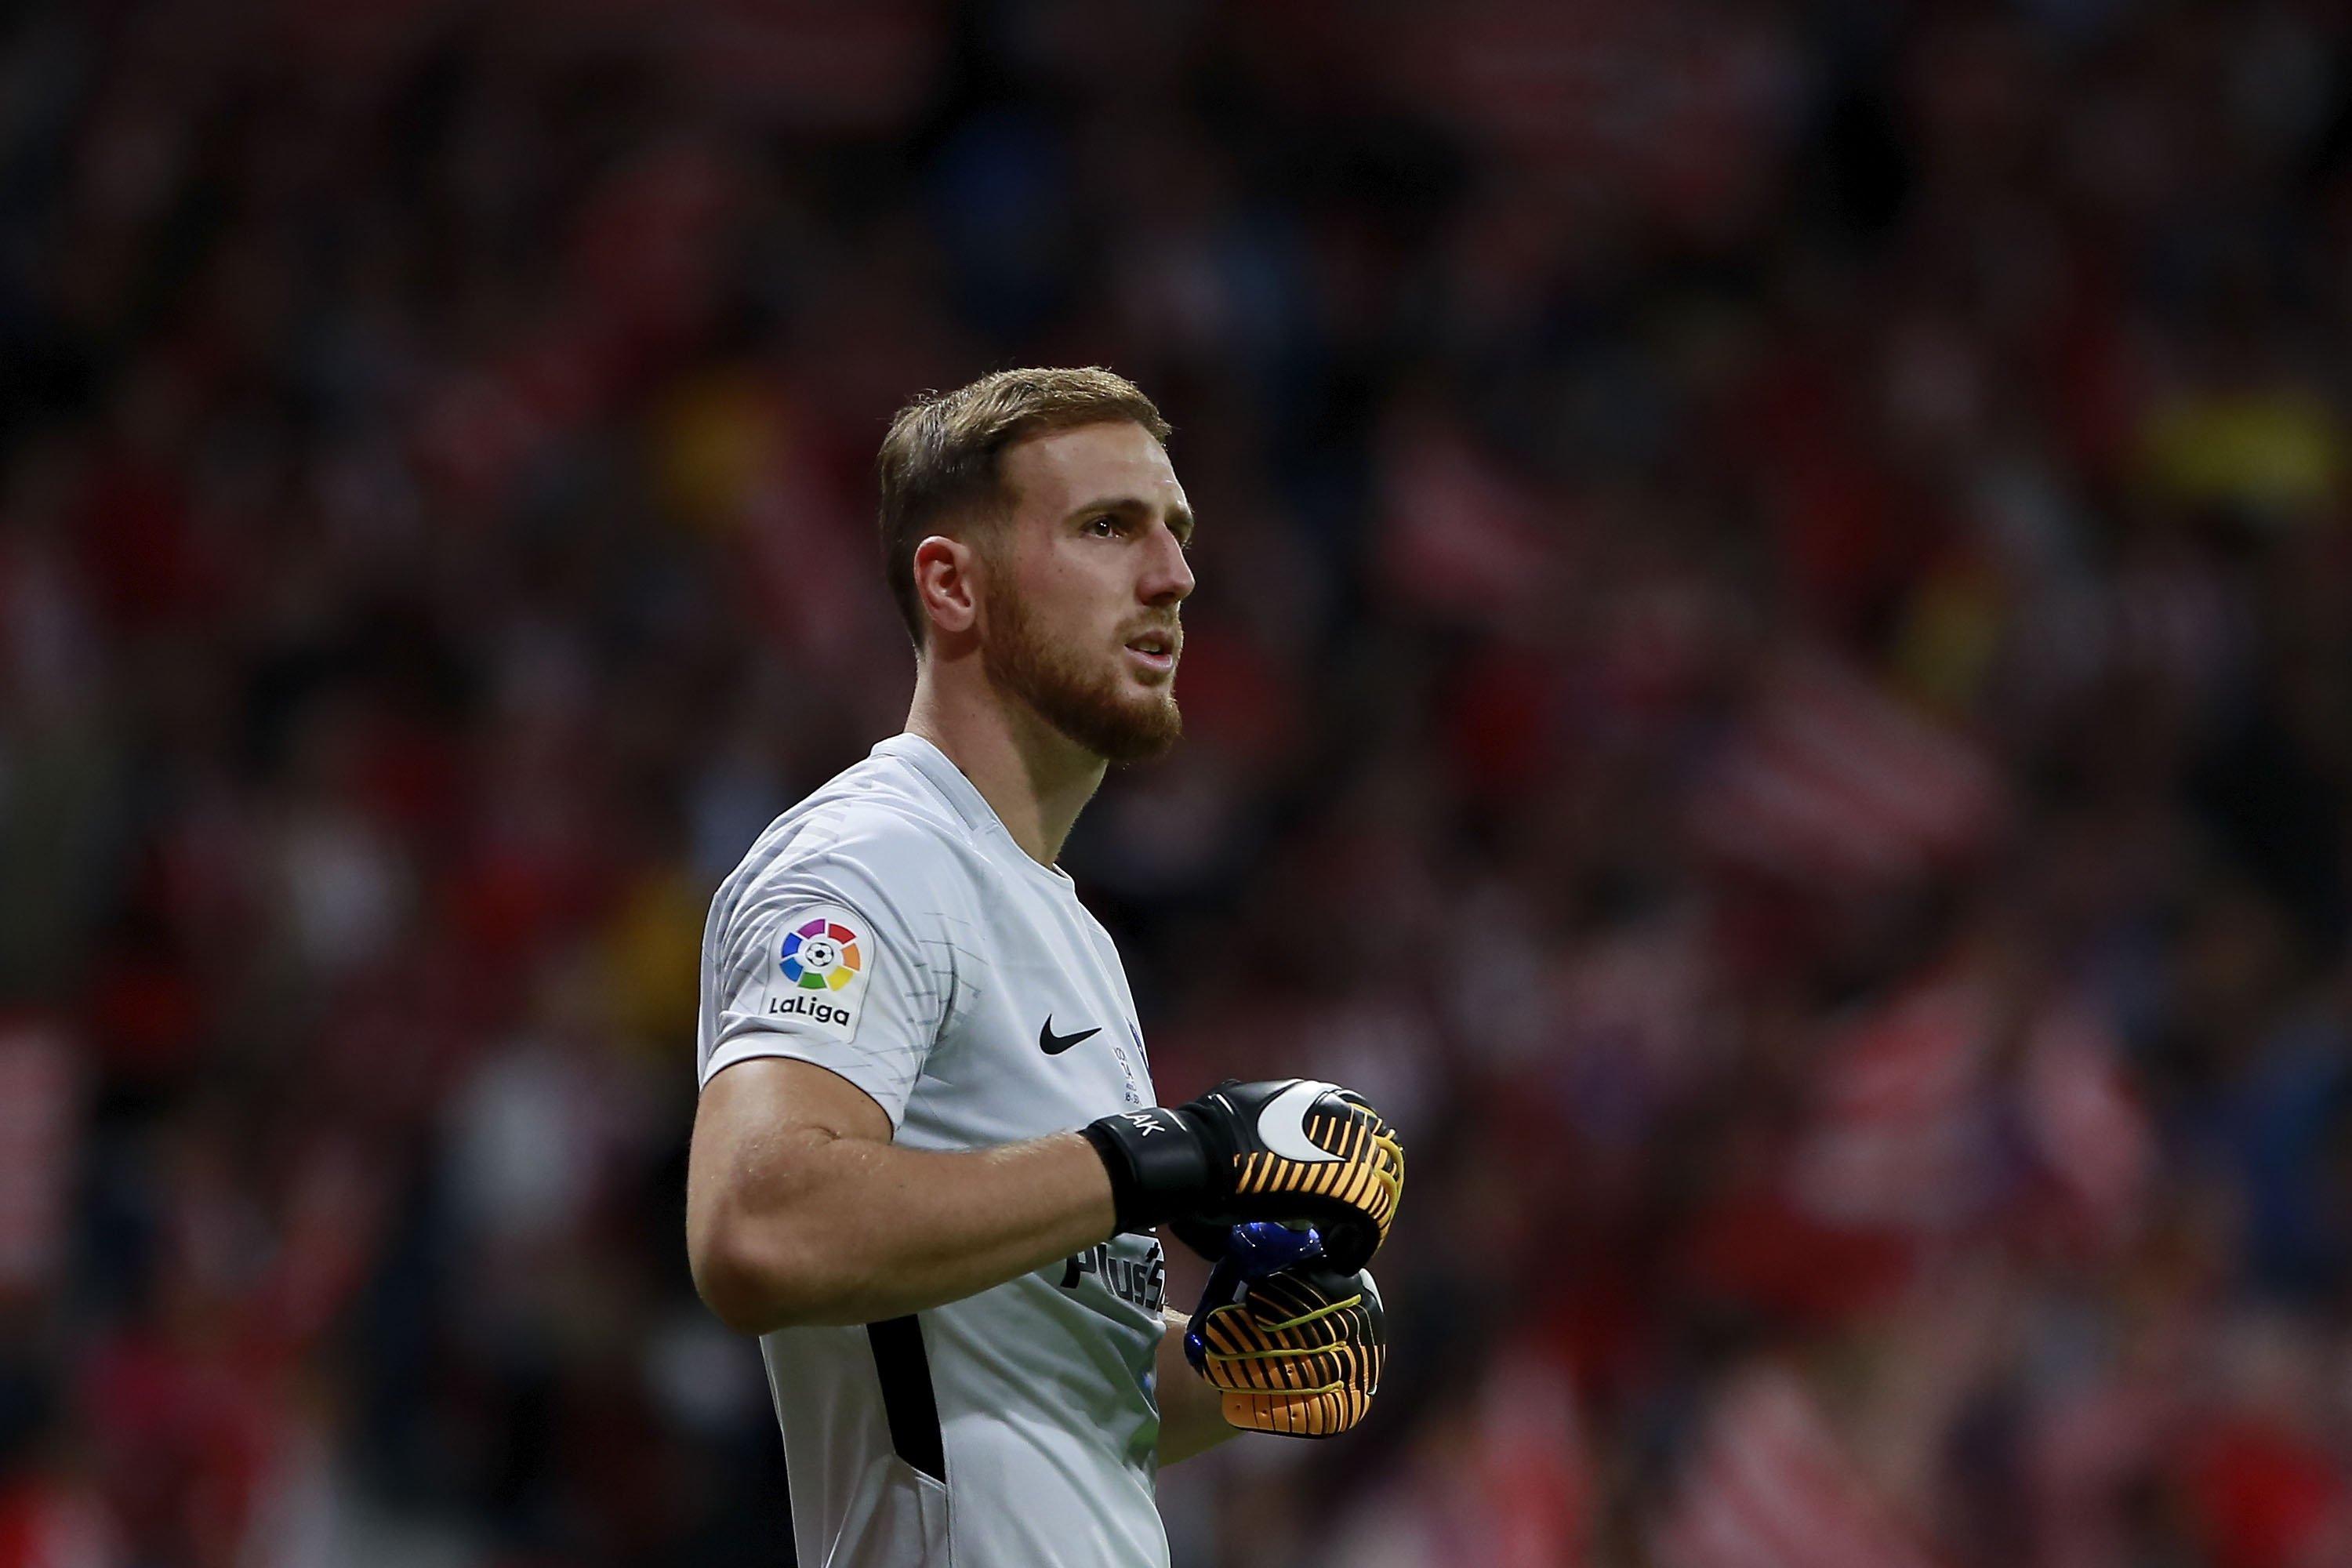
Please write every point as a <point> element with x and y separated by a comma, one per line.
<point>1282,1123</point>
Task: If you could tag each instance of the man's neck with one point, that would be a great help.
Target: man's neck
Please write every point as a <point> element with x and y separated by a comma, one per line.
<point>1032,775</point>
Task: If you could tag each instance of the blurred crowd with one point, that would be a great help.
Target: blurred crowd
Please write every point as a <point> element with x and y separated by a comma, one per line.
<point>1772,680</point>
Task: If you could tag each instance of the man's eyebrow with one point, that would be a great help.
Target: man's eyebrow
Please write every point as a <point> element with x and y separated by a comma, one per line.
<point>1179,518</point>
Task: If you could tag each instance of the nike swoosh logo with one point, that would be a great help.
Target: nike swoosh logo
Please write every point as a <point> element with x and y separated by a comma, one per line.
<point>1054,1045</point>
<point>1282,1123</point>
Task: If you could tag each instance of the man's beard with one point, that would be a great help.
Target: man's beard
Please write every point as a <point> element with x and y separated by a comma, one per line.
<point>1086,705</point>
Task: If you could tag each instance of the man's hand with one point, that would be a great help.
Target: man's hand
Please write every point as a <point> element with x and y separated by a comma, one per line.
<point>1295,1346</point>
<point>1287,1149</point>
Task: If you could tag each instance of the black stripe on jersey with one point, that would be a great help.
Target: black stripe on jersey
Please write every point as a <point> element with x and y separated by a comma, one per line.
<point>905,1370</point>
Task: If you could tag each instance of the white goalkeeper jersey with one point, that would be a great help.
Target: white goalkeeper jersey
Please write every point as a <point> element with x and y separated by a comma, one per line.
<point>890,929</point>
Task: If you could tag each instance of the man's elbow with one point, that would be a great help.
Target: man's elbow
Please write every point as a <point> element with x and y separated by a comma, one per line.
<point>755,1289</point>
<point>738,1296</point>
<point>765,1235</point>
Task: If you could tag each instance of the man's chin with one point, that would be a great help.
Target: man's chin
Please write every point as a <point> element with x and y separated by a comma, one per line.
<point>1105,712</point>
<point>1122,730</point>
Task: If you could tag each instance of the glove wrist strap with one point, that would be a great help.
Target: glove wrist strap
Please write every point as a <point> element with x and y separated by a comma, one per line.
<point>1158,1167</point>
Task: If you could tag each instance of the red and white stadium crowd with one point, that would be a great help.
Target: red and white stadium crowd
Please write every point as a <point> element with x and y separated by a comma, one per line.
<point>1772,680</point>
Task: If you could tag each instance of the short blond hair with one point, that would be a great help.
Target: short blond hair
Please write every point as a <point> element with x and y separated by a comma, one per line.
<point>941,463</point>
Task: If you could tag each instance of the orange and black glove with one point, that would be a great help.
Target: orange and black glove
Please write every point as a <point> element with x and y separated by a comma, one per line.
<point>1295,1151</point>
<point>1295,1346</point>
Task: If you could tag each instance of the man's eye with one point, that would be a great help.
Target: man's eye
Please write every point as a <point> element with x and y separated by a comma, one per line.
<point>1103,527</point>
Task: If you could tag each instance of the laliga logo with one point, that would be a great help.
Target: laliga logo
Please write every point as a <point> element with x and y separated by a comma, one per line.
<point>821,957</point>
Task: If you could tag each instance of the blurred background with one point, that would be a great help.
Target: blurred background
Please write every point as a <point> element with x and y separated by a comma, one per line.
<point>1772,678</point>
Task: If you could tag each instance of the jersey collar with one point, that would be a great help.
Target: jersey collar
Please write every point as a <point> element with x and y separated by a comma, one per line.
<point>964,796</point>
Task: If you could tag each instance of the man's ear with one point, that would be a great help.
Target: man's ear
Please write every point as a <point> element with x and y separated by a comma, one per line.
<point>948,586</point>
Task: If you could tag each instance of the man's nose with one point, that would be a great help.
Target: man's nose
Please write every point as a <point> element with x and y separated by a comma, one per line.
<point>1166,573</point>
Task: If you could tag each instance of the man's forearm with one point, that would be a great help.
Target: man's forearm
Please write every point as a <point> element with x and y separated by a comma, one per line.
<point>1191,1413</point>
<point>849,1230</point>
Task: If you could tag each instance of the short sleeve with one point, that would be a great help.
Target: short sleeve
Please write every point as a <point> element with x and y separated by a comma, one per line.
<point>823,966</point>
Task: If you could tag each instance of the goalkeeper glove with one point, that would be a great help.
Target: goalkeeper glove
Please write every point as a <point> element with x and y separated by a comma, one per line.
<point>1291,1150</point>
<point>1294,1346</point>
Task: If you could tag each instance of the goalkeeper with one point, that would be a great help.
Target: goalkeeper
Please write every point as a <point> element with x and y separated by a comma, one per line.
<point>928,1161</point>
